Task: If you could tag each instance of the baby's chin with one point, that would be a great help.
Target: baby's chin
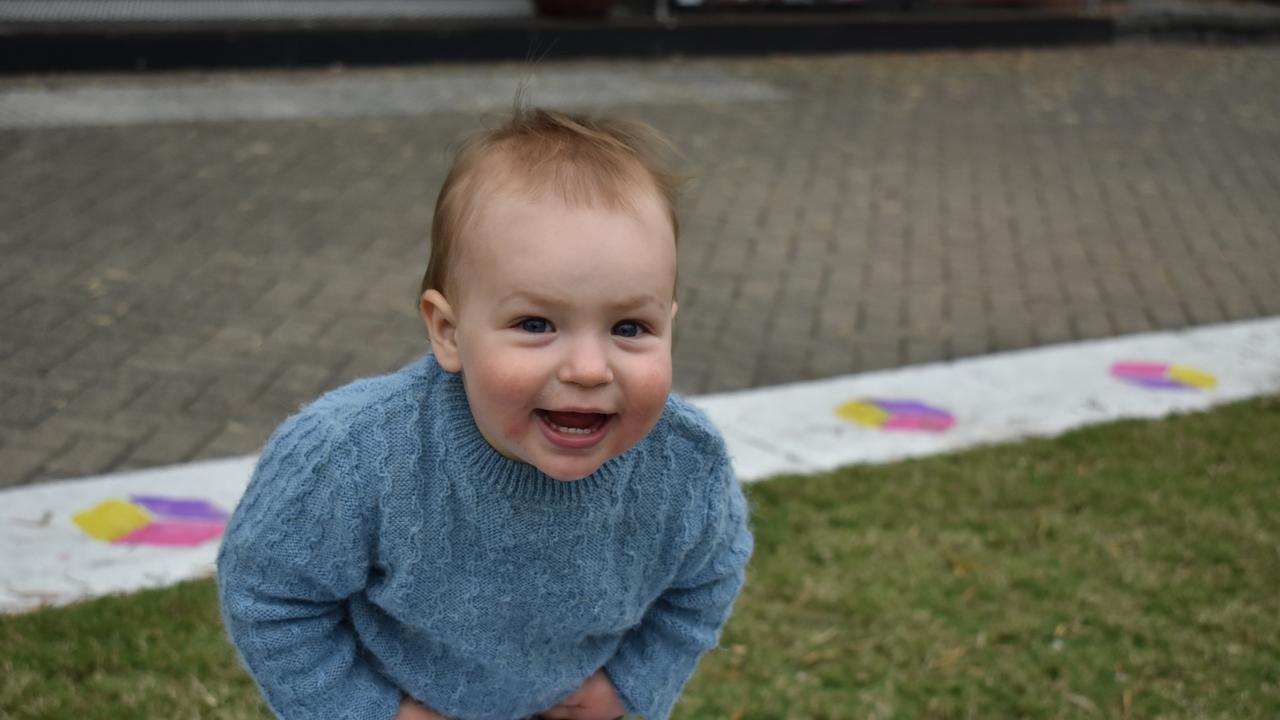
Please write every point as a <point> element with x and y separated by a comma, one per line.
<point>568,475</point>
<point>571,470</point>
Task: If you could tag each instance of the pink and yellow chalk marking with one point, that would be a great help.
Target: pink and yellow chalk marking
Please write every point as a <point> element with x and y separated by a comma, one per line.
<point>1163,376</point>
<point>152,520</point>
<point>907,415</point>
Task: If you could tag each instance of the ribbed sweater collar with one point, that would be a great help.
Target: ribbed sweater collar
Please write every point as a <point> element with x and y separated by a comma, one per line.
<point>485,466</point>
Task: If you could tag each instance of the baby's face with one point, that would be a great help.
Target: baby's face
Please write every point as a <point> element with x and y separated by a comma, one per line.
<point>563,320</point>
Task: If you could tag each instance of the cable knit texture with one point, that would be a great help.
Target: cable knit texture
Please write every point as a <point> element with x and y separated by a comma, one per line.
<point>383,547</point>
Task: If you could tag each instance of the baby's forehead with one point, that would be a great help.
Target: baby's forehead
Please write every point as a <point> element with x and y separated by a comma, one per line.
<point>507,214</point>
<point>498,186</point>
<point>623,183</point>
<point>537,227</point>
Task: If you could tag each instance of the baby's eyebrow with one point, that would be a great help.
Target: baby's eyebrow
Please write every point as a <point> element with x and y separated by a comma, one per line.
<point>523,296</point>
<point>629,302</point>
<point>634,302</point>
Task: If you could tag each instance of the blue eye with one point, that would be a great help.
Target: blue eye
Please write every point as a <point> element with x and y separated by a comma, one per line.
<point>535,325</point>
<point>628,328</point>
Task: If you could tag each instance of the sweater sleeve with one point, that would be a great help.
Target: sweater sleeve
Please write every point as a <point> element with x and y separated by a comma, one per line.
<point>657,657</point>
<point>296,547</point>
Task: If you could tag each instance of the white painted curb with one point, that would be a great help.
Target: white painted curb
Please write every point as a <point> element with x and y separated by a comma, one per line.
<point>45,559</point>
<point>994,398</point>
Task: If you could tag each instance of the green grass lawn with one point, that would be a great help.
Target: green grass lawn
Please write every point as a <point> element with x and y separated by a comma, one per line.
<point>1126,570</point>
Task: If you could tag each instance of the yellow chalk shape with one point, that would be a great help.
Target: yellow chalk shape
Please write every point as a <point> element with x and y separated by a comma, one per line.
<point>1192,377</point>
<point>111,519</point>
<point>862,413</point>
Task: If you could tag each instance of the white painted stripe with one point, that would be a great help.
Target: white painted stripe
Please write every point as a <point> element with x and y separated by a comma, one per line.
<point>46,559</point>
<point>995,398</point>
<point>364,93</point>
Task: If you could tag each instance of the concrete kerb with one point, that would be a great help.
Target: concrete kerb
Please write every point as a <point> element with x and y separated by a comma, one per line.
<point>98,44</point>
<point>1185,21</point>
<point>85,46</point>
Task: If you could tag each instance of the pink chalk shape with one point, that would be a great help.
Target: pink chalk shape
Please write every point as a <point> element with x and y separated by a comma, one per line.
<point>174,534</point>
<point>927,423</point>
<point>1162,376</point>
<point>1136,370</point>
<point>902,415</point>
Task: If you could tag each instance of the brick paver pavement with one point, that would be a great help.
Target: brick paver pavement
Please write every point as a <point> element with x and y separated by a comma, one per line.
<point>171,290</point>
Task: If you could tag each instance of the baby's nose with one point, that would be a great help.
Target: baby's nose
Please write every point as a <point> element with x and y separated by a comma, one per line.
<point>587,364</point>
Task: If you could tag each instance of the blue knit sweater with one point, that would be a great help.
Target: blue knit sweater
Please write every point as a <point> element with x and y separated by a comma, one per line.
<point>383,547</point>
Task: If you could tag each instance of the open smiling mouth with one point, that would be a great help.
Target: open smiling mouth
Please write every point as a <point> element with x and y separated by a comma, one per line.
<point>573,429</point>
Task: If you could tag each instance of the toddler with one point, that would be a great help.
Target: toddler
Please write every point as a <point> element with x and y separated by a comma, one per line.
<point>525,522</point>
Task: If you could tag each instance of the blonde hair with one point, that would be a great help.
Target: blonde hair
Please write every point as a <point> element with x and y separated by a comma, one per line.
<point>585,161</point>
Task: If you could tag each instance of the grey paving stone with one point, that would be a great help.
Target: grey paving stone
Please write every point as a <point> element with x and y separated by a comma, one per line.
<point>86,456</point>
<point>25,404</point>
<point>240,437</point>
<point>969,344</point>
<point>19,465</point>
<point>174,440</point>
<point>122,429</point>
<point>1127,319</point>
<point>169,395</point>
<point>877,356</point>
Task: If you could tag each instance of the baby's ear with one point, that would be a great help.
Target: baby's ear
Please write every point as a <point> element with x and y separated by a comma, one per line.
<point>437,313</point>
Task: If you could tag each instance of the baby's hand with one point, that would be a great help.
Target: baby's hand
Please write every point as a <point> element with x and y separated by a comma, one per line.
<point>414,710</point>
<point>594,700</point>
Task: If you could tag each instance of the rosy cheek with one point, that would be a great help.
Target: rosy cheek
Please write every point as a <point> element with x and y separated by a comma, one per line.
<point>513,428</point>
<point>508,396</point>
<point>658,381</point>
<point>652,388</point>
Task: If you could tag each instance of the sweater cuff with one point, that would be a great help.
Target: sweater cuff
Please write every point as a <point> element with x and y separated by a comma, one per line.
<point>372,697</point>
<point>648,687</point>
<point>627,692</point>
